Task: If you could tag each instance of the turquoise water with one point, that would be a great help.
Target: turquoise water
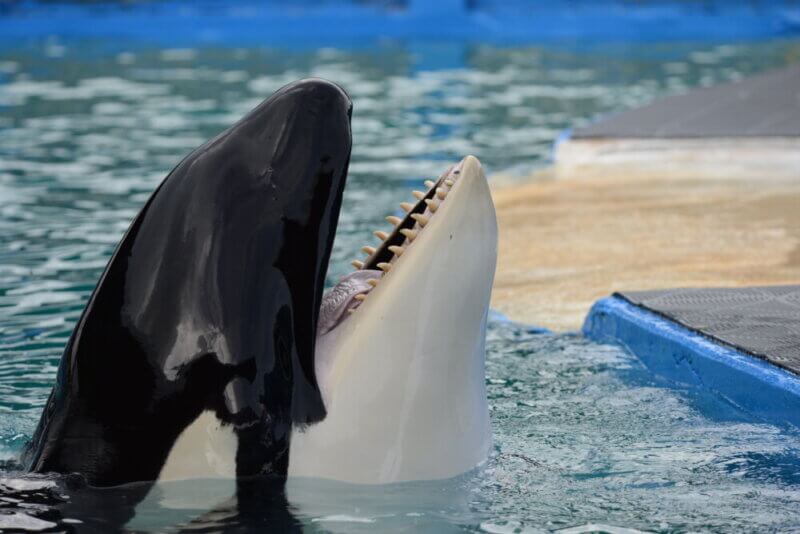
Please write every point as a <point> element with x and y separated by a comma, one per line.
<point>583,434</point>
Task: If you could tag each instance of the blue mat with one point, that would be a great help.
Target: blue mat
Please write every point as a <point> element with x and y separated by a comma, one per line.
<point>681,354</point>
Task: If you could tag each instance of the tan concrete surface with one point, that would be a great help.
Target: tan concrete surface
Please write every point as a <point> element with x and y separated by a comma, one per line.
<point>566,242</point>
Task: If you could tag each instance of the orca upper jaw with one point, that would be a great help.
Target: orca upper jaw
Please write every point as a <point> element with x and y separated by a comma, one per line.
<point>402,369</point>
<point>210,302</point>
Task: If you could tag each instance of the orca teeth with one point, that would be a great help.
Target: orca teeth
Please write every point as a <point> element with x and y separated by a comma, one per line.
<point>433,200</point>
<point>410,234</point>
<point>361,297</point>
<point>421,219</point>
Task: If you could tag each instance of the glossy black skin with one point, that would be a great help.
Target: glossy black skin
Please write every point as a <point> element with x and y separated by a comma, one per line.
<point>210,301</point>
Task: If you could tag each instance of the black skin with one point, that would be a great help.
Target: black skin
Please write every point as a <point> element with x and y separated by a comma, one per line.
<point>210,302</point>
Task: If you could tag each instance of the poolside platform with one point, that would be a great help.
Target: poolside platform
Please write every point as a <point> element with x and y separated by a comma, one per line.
<point>752,123</point>
<point>761,321</point>
<point>742,344</point>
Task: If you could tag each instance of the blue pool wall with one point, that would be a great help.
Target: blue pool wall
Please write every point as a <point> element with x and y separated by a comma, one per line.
<point>679,354</point>
<point>312,23</point>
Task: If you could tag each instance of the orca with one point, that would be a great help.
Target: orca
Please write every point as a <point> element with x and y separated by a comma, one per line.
<point>207,349</point>
<point>194,356</point>
<point>401,346</point>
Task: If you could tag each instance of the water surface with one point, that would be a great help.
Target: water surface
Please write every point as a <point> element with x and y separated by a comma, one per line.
<point>583,434</point>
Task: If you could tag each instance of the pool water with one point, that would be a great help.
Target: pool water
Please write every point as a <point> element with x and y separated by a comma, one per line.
<point>583,434</point>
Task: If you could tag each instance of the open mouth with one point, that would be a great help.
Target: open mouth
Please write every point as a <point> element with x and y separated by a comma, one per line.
<point>354,288</point>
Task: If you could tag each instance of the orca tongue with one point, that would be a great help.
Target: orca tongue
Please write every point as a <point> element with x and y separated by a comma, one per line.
<point>338,300</point>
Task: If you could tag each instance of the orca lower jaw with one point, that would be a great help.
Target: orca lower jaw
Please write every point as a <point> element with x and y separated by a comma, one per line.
<point>401,365</point>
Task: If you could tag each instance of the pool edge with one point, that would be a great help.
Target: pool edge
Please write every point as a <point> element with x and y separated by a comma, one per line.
<point>685,356</point>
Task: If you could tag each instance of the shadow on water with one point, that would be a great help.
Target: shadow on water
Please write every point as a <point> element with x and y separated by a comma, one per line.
<point>781,468</point>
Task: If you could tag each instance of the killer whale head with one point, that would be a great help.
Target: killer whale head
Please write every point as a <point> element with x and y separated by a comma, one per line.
<point>400,347</point>
<point>209,304</point>
<point>207,340</point>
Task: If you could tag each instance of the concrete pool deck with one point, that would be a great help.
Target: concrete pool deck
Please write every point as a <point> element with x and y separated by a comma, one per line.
<point>700,189</point>
<point>566,242</point>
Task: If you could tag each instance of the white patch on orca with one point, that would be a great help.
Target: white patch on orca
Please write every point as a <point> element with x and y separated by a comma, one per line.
<point>205,449</point>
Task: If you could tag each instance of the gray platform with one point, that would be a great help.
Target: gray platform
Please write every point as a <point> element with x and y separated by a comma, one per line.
<point>766,105</point>
<point>762,321</point>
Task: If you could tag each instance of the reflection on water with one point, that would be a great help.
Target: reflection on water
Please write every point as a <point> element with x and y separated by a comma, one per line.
<point>582,434</point>
<point>40,504</point>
